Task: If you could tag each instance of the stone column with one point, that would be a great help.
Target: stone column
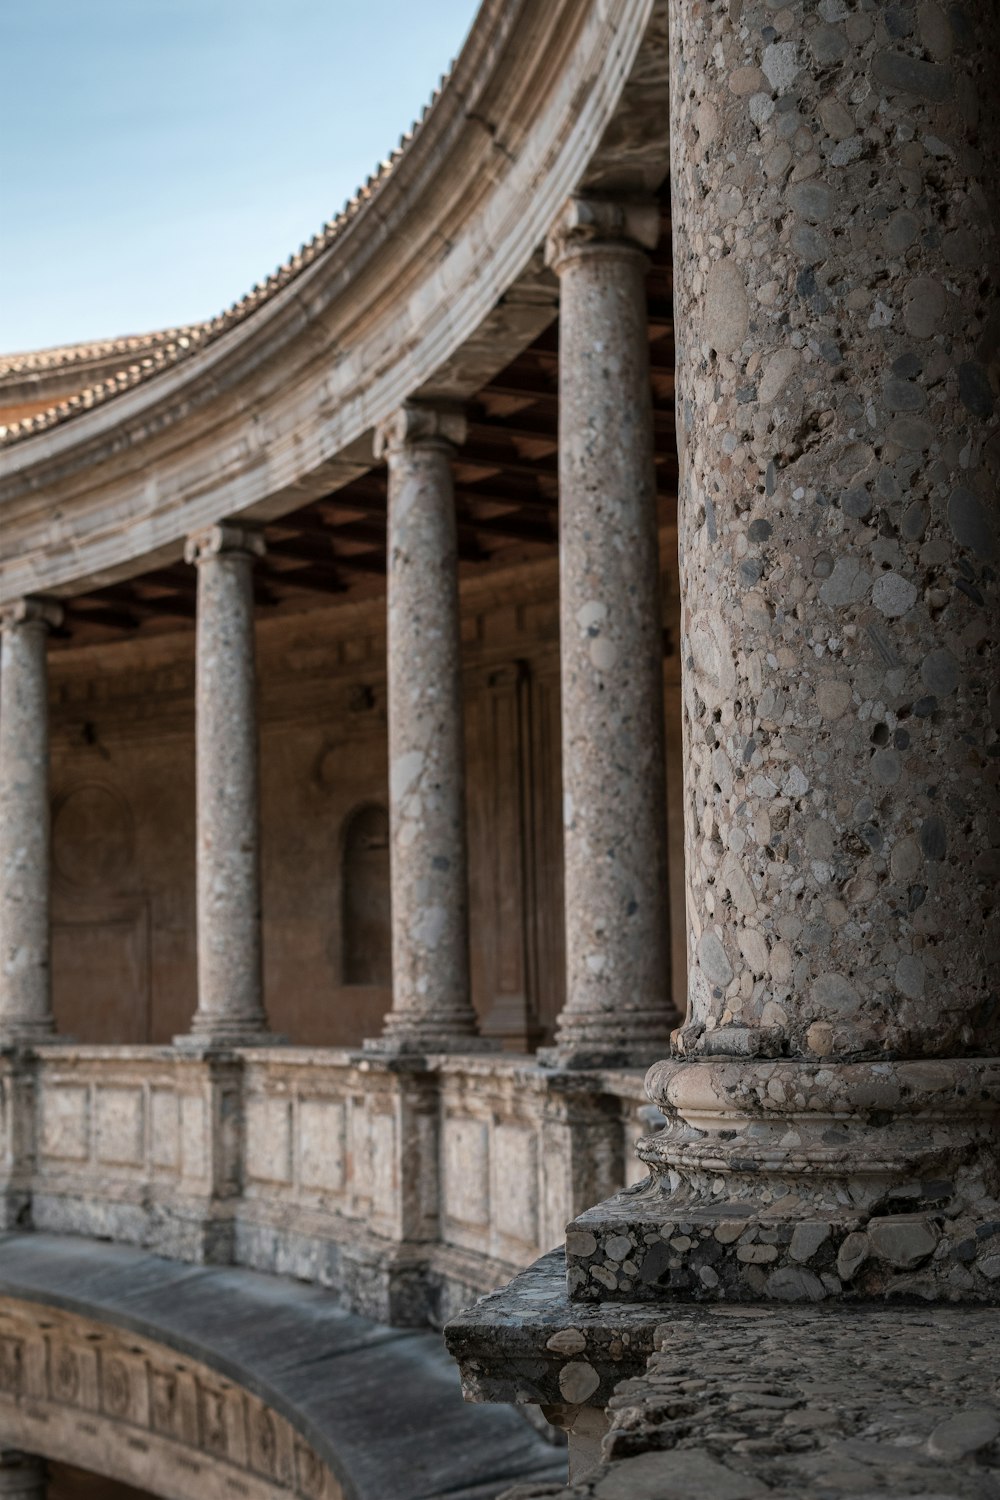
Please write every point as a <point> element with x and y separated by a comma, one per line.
<point>230,1005</point>
<point>834,1095</point>
<point>22,1476</point>
<point>25,939</point>
<point>618,1008</point>
<point>431,1007</point>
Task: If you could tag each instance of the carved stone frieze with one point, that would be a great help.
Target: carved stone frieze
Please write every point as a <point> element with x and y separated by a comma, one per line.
<point>128,1408</point>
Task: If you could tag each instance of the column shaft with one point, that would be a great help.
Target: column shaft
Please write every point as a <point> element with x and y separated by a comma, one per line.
<point>25,875</point>
<point>230,1004</point>
<point>431,1009</point>
<point>838,548</point>
<point>618,1007</point>
<point>832,1110</point>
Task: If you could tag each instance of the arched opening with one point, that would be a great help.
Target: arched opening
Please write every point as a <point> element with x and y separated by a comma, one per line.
<point>67,1482</point>
<point>365,906</point>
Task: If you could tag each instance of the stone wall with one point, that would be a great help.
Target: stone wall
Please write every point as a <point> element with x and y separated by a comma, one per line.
<point>123,795</point>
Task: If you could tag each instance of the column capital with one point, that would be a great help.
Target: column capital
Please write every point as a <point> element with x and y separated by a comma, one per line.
<point>582,222</point>
<point>223,537</point>
<point>421,423</point>
<point>31,610</point>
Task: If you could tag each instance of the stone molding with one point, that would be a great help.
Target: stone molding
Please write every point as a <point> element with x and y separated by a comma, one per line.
<point>223,540</point>
<point>602,223</point>
<point>428,296</point>
<point>799,1182</point>
<point>420,425</point>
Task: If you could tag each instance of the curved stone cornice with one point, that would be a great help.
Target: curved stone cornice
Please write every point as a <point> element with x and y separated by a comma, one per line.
<point>207,1380</point>
<point>433,286</point>
<point>84,1391</point>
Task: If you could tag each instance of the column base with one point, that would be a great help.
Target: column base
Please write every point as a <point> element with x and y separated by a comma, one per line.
<point>424,1044</point>
<point>570,1057</point>
<point>585,1040</point>
<point>226,1041</point>
<point>800,1182</point>
<point>30,1034</point>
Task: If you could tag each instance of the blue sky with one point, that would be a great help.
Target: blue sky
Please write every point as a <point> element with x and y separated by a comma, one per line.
<point>160,156</point>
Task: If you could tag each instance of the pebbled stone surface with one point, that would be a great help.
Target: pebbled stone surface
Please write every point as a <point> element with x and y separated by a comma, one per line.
<point>835,175</point>
<point>807,1404</point>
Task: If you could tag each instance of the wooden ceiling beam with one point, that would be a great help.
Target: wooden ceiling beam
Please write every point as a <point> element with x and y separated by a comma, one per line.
<point>534,427</point>
<point>480,454</point>
<point>518,528</point>
<point>522,488</point>
<point>129,597</point>
<point>311,577</point>
<point>104,615</point>
<point>321,550</point>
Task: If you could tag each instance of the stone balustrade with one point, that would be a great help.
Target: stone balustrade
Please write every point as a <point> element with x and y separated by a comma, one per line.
<point>410,1187</point>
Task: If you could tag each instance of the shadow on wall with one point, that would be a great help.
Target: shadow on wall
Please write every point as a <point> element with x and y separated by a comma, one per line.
<point>68,1483</point>
<point>365,916</point>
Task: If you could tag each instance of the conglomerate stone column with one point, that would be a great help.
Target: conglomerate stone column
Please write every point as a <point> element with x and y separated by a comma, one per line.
<point>833,1099</point>
<point>25,874</point>
<point>618,1008</point>
<point>22,1476</point>
<point>431,1006</point>
<point>230,1005</point>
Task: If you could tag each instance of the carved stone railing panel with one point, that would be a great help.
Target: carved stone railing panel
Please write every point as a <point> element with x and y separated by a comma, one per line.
<point>132,1143</point>
<point>403,1187</point>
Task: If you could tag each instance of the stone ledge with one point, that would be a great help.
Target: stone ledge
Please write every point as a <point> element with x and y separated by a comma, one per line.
<point>644,1246</point>
<point>830,1403</point>
<point>528,1344</point>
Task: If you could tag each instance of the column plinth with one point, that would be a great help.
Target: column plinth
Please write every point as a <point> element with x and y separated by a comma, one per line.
<point>618,1009</point>
<point>833,1100</point>
<point>230,1004</point>
<point>431,1006</point>
<point>25,874</point>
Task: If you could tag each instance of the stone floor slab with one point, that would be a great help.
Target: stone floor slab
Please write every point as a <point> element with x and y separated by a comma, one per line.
<point>821,1402</point>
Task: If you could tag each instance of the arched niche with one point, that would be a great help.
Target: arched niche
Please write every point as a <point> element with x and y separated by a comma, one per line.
<point>366,923</point>
<point>91,1394</point>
